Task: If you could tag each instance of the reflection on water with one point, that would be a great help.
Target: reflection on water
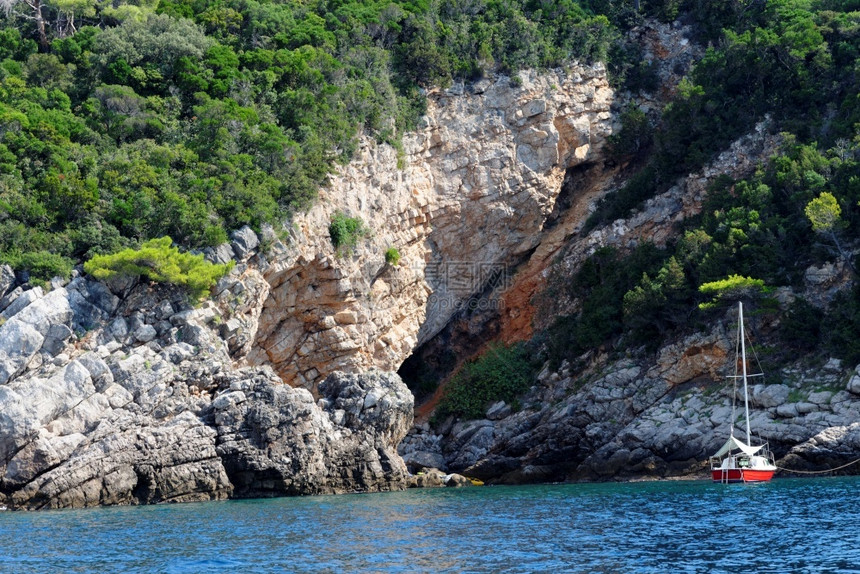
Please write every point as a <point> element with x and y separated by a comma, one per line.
<point>784,526</point>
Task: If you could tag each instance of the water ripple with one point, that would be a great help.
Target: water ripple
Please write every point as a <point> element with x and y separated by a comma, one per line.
<point>786,526</point>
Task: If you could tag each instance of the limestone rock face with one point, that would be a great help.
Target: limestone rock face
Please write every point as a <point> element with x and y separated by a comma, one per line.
<point>646,416</point>
<point>145,405</point>
<point>627,419</point>
<point>464,204</point>
<point>832,448</point>
<point>656,222</point>
<point>275,440</point>
<point>122,393</point>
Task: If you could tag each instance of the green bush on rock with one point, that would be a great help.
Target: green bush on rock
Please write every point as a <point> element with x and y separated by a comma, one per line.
<point>502,373</point>
<point>159,261</point>
<point>41,265</point>
<point>345,232</point>
<point>392,256</point>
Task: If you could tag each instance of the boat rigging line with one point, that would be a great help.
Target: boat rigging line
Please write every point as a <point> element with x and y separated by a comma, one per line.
<point>819,471</point>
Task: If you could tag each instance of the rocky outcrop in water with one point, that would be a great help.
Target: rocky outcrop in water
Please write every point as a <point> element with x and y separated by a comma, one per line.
<point>624,419</point>
<point>132,400</point>
<point>833,448</point>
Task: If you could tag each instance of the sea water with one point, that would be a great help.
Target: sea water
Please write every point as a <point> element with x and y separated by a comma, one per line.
<point>788,525</point>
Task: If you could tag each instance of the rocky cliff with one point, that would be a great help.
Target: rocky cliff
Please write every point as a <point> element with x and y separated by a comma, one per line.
<point>464,205</point>
<point>126,394</point>
<point>134,399</point>
<point>651,416</point>
<point>282,382</point>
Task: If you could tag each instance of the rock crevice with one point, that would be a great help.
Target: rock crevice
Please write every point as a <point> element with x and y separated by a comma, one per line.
<point>468,201</point>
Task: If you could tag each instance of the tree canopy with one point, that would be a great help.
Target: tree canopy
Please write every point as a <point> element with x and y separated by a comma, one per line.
<point>126,121</point>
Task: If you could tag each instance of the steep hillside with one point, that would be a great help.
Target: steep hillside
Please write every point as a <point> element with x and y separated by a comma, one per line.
<point>542,213</point>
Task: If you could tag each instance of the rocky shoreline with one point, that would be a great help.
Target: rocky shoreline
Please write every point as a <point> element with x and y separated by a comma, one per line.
<point>282,383</point>
<point>638,419</point>
<point>136,399</point>
<point>126,394</point>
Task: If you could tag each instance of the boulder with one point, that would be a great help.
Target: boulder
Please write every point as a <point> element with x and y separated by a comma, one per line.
<point>19,341</point>
<point>219,255</point>
<point>117,329</point>
<point>9,297</point>
<point>788,410</point>
<point>55,338</point>
<point>427,478</point>
<point>133,459</point>
<point>417,460</point>
<point>244,242</point>
<point>20,302</point>
<point>457,481</point>
<point>854,382</point>
<point>498,410</point>
<point>768,396</point>
<point>100,296</point>
<point>86,316</point>
<point>43,313</point>
<point>7,280</point>
<point>164,310</point>
<point>820,397</point>
<point>145,333</point>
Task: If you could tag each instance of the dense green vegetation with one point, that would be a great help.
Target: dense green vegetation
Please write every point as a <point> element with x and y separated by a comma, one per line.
<point>753,235</point>
<point>125,121</point>
<point>501,373</point>
<point>794,60</point>
<point>158,260</point>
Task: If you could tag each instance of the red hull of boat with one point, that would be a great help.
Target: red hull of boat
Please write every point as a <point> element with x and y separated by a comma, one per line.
<point>742,475</point>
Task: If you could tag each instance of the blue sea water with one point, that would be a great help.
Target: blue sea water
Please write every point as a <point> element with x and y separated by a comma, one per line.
<point>788,525</point>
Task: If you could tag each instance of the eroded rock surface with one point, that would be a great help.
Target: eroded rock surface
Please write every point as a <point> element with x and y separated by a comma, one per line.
<point>464,205</point>
<point>124,394</point>
<point>624,419</point>
<point>136,400</point>
<point>660,416</point>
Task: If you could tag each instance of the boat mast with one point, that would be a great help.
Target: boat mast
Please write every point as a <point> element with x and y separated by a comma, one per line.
<point>744,368</point>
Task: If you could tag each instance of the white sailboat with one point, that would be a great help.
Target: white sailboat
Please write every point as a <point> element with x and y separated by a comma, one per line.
<point>739,461</point>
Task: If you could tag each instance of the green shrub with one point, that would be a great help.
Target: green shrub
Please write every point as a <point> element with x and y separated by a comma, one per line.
<point>41,265</point>
<point>214,235</point>
<point>392,256</point>
<point>345,232</point>
<point>800,328</point>
<point>634,138</point>
<point>159,261</point>
<point>731,289</point>
<point>500,374</point>
<point>601,284</point>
